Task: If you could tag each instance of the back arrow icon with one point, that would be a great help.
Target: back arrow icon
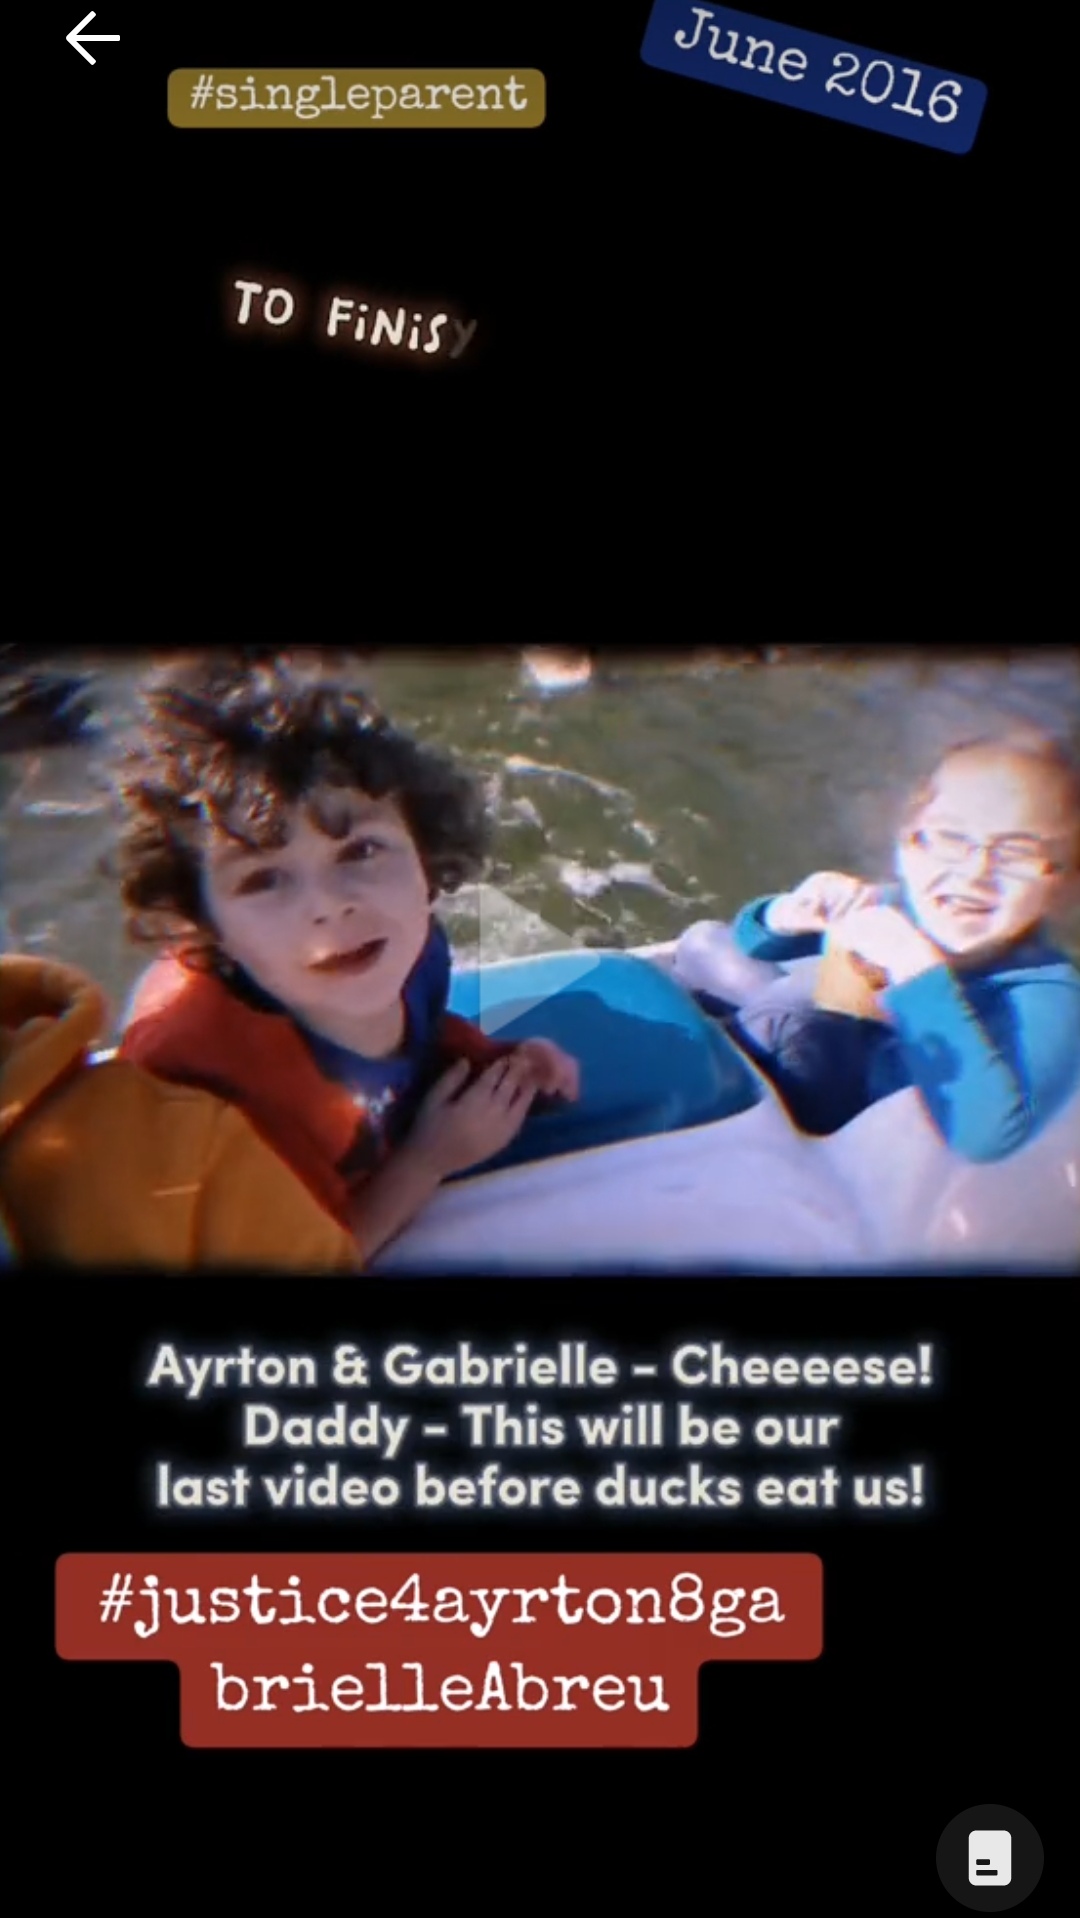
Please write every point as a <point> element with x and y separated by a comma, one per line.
<point>76,37</point>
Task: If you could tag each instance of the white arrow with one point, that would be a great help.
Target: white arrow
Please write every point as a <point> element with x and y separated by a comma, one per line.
<point>507,924</point>
<point>76,37</point>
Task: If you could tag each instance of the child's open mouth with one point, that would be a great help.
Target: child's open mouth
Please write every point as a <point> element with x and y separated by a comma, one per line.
<point>359,959</point>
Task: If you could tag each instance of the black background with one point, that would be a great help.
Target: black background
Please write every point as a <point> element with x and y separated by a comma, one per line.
<point>946,1631</point>
<point>665,273</point>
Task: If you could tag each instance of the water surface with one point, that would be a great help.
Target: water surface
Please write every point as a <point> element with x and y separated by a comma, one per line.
<point>668,788</point>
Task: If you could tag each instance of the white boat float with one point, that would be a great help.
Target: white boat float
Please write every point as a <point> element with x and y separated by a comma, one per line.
<point>680,1155</point>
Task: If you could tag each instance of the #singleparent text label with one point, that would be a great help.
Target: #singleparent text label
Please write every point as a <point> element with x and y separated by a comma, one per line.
<point>822,75</point>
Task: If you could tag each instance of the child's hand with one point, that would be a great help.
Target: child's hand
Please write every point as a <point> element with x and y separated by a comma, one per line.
<point>884,940</point>
<point>818,902</point>
<point>555,1073</point>
<point>460,1125</point>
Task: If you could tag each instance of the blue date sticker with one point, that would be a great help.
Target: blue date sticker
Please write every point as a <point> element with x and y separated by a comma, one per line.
<point>815,72</point>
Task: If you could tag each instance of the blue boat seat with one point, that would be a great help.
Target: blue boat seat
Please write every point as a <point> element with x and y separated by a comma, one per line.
<point>650,1060</point>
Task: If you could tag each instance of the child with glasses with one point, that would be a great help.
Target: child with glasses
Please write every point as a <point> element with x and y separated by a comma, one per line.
<point>946,981</point>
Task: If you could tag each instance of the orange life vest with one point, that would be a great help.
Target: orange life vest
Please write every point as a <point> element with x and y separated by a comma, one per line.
<point>185,1025</point>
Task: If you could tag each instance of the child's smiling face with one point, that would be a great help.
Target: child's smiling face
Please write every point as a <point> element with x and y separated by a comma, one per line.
<point>991,852</point>
<point>329,922</point>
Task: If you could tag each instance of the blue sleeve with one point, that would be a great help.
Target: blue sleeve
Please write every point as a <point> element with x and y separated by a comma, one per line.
<point>989,1092</point>
<point>427,989</point>
<point>753,937</point>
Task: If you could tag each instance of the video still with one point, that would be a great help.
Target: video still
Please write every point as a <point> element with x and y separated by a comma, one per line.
<point>540,963</point>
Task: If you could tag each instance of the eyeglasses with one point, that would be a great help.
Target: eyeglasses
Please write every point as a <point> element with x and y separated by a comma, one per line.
<point>1018,858</point>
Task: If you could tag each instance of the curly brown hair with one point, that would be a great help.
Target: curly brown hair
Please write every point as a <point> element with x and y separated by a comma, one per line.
<point>231,739</point>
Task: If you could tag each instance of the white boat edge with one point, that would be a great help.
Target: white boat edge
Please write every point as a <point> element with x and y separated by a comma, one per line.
<point>751,1192</point>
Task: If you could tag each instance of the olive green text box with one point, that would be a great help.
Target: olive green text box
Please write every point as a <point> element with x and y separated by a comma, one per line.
<point>394,97</point>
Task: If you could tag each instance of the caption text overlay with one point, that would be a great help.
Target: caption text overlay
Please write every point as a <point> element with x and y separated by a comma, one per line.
<point>378,97</point>
<point>438,1649</point>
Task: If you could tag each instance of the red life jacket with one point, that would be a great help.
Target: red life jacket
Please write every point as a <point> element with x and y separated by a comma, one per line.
<point>187,1026</point>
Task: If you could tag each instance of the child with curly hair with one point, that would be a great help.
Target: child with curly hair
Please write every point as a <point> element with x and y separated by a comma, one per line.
<point>283,845</point>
